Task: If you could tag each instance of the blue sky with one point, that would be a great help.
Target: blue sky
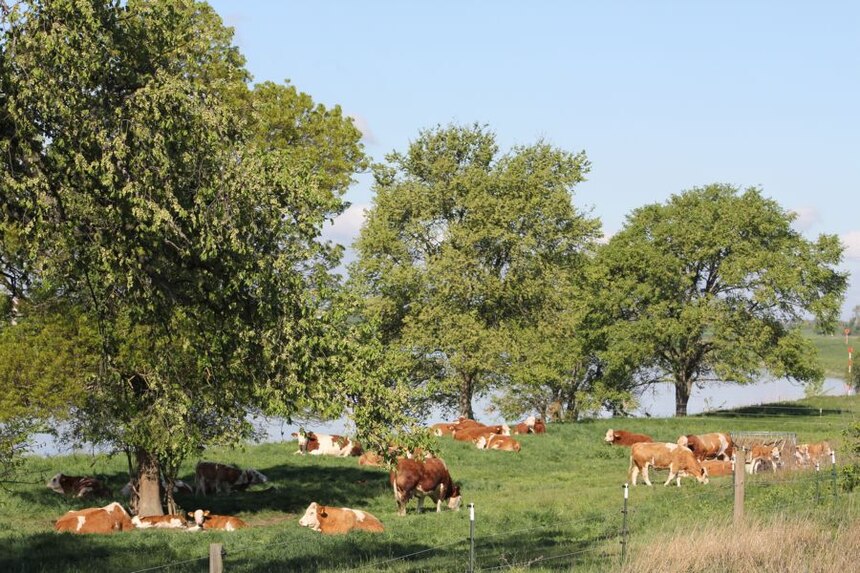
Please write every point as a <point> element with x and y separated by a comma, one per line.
<point>662,96</point>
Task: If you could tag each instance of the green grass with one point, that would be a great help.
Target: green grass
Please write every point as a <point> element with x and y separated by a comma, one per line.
<point>556,505</point>
<point>833,352</point>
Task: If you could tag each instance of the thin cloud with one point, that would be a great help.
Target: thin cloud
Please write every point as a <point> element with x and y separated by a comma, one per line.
<point>807,217</point>
<point>851,240</point>
<point>363,126</point>
<point>344,229</point>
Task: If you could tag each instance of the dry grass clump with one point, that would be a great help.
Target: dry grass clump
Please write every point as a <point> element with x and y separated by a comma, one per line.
<point>778,545</point>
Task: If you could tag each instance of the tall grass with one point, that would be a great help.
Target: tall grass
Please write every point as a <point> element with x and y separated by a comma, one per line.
<point>554,506</point>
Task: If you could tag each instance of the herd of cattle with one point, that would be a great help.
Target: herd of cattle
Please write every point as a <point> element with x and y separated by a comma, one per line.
<point>414,474</point>
<point>701,456</point>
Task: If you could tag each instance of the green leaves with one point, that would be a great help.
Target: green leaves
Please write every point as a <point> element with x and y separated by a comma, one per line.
<point>710,284</point>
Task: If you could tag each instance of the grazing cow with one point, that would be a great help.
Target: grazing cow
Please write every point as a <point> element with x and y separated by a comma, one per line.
<point>429,477</point>
<point>205,520</point>
<point>716,445</point>
<point>624,438</point>
<point>811,453</point>
<point>338,520</point>
<point>326,445</point>
<point>160,522</point>
<point>679,460</point>
<point>78,486</point>
<point>108,519</point>
<point>497,442</point>
<point>212,477</point>
<point>717,468</point>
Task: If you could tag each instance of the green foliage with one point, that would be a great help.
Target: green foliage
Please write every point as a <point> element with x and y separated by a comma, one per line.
<point>176,211</point>
<point>461,245</point>
<point>709,285</point>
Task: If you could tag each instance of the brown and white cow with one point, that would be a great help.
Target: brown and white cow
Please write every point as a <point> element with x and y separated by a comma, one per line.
<point>765,452</point>
<point>78,486</point>
<point>811,453</point>
<point>539,427</point>
<point>326,445</point>
<point>498,442</point>
<point>205,520</point>
<point>442,429</point>
<point>624,438</point>
<point>421,478</point>
<point>212,477</point>
<point>472,433</point>
<point>717,468</point>
<point>160,522</point>
<point>338,520</point>
<point>108,519</point>
<point>679,460</point>
<point>713,446</point>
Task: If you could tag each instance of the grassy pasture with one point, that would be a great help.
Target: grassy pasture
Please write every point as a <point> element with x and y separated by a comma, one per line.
<point>833,352</point>
<point>554,506</point>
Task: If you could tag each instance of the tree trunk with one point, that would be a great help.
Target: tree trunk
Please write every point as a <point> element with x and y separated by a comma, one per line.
<point>465,401</point>
<point>148,485</point>
<point>682,396</point>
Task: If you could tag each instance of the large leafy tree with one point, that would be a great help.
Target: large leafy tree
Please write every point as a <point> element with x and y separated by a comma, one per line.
<point>710,286</point>
<point>177,211</point>
<point>461,243</point>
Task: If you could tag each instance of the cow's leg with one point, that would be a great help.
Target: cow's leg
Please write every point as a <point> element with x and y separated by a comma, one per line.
<point>401,498</point>
<point>645,475</point>
<point>634,473</point>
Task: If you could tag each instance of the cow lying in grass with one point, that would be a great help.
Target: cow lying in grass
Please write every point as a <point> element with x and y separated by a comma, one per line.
<point>108,519</point>
<point>624,438</point>
<point>78,486</point>
<point>338,520</point>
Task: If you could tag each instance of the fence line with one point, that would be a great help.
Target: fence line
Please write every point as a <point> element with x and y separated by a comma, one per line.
<point>174,564</point>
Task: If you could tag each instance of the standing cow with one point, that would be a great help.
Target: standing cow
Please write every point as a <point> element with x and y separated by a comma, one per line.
<point>679,460</point>
<point>419,478</point>
<point>212,477</point>
<point>713,446</point>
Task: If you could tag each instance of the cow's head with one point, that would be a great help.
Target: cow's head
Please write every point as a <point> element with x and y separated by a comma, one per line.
<point>55,484</point>
<point>199,516</point>
<point>506,430</point>
<point>312,516</point>
<point>702,474</point>
<point>610,436</point>
<point>455,498</point>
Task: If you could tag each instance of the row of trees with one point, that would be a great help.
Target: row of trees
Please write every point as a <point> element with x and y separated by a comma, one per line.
<point>163,273</point>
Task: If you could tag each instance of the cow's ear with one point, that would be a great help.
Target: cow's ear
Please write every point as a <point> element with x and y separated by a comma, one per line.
<point>321,511</point>
<point>206,513</point>
<point>190,514</point>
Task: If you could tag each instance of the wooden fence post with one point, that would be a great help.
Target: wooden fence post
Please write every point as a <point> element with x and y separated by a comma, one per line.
<point>740,470</point>
<point>216,565</point>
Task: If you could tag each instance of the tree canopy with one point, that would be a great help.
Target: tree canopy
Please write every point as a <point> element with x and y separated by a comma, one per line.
<point>712,285</point>
<point>177,210</point>
<point>461,244</point>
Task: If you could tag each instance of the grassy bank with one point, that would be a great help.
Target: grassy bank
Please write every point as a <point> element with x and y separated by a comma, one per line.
<point>554,506</point>
<point>833,352</point>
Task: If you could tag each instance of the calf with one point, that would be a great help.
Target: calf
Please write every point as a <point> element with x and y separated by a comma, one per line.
<point>716,445</point>
<point>212,477</point>
<point>811,453</point>
<point>679,460</point>
<point>338,520</point>
<point>326,445</point>
<point>108,519</point>
<point>497,442</point>
<point>78,486</point>
<point>159,522</point>
<point>429,477</point>
<point>205,520</point>
<point>624,438</point>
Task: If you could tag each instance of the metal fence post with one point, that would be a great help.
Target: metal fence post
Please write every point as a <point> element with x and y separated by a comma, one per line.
<point>833,472</point>
<point>817,483</point>
<point>216,565</point>
<point>740,467</point>
<point>471,538</point>
<point>624,525</point>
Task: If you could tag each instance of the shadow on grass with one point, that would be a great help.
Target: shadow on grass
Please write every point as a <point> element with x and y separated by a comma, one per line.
<point>774,410</point>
